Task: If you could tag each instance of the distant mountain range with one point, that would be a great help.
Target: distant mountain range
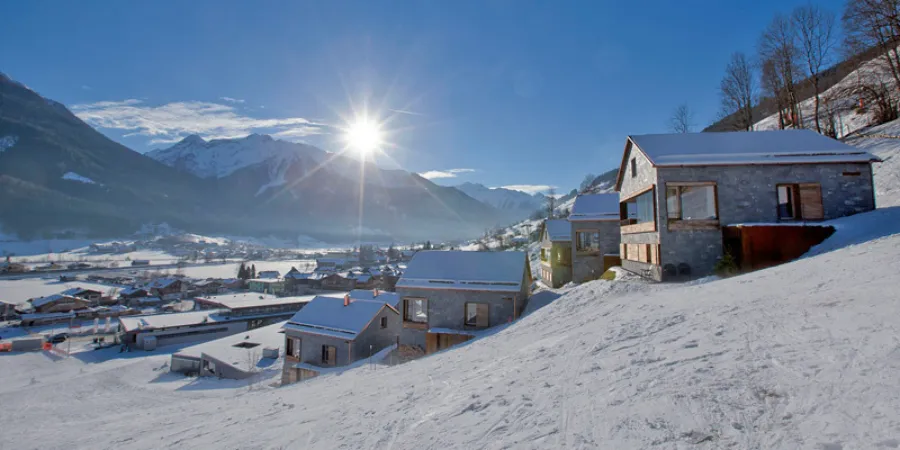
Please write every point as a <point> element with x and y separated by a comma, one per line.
<point>516,203</point>
<point>59,176</point>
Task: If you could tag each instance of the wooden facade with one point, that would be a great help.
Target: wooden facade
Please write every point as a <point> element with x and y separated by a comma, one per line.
<point>758,247</point>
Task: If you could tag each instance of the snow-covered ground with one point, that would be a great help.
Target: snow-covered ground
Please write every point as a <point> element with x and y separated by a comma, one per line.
<point>230,270</point>
<point>802,355</point>
<point>72,176</point>
<point>20,290</point>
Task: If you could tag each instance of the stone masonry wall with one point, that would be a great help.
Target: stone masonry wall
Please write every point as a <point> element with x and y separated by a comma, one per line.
<point>748,194</point>
<point>590,266</point>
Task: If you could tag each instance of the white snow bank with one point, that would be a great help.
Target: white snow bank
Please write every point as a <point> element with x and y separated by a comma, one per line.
<point>802,355</point>
<point>7,142</point>
<point>75,177</point>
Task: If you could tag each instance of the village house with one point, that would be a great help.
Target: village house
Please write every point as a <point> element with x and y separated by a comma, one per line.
<point>595,235</point>
<point>133,292</point>
<point>209,286</point>
<point>338,282</point>
<point>333,332</point>
<point>680,192</point>
<point>266,285</point>
<point>56,303</point>
<point>447,295</point>
<point>259,309</point>
<point>237,357</point>
<point>268,274</point>
<point>556,252</point>
<point>166,288</point>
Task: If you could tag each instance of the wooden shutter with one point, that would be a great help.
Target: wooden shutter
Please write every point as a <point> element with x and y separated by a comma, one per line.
<point>481,315</point>
<point>811,202</point>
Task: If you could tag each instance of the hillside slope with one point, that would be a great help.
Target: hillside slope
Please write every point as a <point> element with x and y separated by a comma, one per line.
<point>803,355</point>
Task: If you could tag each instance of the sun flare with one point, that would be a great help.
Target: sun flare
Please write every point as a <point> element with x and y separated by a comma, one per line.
<point>364,136</point>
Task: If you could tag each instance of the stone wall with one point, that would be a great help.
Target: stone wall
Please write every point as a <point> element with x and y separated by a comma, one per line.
<point>747,194</point>
<point>646,173</point>
<point>589,266</point>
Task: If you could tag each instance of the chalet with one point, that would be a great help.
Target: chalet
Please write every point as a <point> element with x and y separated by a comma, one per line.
<point>338,282</point>
<point>7,310</point>
<point>269,274</point>
<point>57,303</point>
<point>447,295</point>
<point>556,252</point>
<point>91,295</point>
<point>332,332</point>
<point>132,293</point>
<point>679,193</point>
<point>595,234</point>
<point>208,287</point>
<point>266,285</point>
<point>166,288</point>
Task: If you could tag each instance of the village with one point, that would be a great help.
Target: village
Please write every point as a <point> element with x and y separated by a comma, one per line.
<point>685,207</point>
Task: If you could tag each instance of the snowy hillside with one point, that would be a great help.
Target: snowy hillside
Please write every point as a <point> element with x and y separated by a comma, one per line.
<point>883,141</point>
<point>843,99</point>
<point>503,199</point>
<point>789,357</point>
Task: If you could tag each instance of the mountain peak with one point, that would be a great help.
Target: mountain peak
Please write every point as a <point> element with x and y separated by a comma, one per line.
<point>193,139</point>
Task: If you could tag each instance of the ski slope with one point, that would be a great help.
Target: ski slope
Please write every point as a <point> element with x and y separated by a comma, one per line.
<point>804,355</point>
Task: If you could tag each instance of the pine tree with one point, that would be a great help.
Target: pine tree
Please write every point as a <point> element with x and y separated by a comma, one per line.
<point>242,272</point>
<point>253,271</point>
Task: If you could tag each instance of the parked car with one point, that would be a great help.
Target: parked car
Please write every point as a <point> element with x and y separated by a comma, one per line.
<point>58,338</point>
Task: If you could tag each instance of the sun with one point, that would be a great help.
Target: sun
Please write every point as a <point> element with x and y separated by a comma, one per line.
<point>364,136</point>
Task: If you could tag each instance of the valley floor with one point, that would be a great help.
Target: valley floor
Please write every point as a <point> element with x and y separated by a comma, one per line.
<point>804,355</point>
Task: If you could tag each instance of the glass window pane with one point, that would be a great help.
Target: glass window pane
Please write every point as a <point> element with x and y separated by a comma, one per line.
<point>698,203</point>
<point>672,203</point>
<point>471,314</point>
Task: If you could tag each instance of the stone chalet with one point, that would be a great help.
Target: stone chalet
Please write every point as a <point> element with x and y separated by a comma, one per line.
<point>595,235</point>
<point>678,191</point>
<point>335,332</point>
<point>447,295</point>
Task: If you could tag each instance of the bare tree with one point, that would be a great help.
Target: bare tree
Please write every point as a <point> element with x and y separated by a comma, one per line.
<point>551,202</point>
<point>874,23</point>
<point>815,35</point>
<point>682,119</point>
<point>738,90</point>
<point>778,45</point>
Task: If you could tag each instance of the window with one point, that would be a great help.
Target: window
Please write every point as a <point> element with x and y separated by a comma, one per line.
<point>383,322</point>
<point>800,201</point>
<point>329,355</point>
<point>292,347</point>
<point>587,241</point>
<point>638,209</point>
<point>544,255</point>
<point>787,202</point>
<point>633,168</point>
<point>476,315</point>
<point>691,202</point>
<point>564,257</point>
<point>415,310</point>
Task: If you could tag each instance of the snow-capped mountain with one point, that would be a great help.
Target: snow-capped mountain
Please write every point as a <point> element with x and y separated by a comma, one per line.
<point>222,157</point>
<point>504,199</point>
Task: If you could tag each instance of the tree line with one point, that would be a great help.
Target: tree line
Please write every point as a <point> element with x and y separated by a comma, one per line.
<point>793,55</point>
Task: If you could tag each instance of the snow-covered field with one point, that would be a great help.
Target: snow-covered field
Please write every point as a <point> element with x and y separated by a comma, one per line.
<point>20,290</point>
<point>230,270</point>
<point>804,355</point>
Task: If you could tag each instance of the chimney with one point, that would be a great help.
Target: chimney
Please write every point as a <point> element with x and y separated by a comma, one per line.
<point>346,299</point>
<point>375,292</point>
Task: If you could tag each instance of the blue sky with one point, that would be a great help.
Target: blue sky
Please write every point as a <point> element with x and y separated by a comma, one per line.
<point>511,92</point>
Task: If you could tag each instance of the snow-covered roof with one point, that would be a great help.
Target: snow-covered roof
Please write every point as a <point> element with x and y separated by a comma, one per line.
<point>741,147</point>
<point>559,230</point>
<point>481,271</point>
<point>227,349</point>
<point>391,298</point>
<point>41,301</point>
<point>269,274</point>
<point>131,290</point>
<point>298,275</point>
<point>162,283</point>
<point>148,300</point>
<point>158,321</point>
<point>595,207</point>
<point>251,299</point>
<point>327,316</point>
<point>266,280</point>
